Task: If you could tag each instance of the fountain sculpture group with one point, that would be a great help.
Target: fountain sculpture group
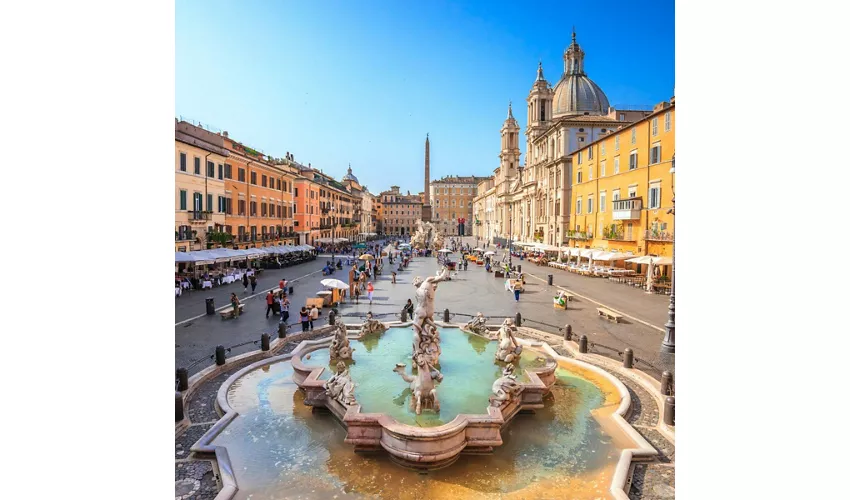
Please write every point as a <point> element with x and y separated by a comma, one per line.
<point>509,350</point>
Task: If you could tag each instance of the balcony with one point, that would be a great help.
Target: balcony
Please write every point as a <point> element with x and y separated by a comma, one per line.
<point>199,215</point>
<point>628,209</point>
<point>184,236</point>
<point>654,235</point>
<point>326,226</point>
<point>618,234</point>
<point>579,235</point>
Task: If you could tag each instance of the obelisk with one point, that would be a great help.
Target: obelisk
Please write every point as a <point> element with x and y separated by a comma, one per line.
<point>426,203</point>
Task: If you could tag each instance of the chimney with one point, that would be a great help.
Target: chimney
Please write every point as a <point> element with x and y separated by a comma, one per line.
<point>225,133</point>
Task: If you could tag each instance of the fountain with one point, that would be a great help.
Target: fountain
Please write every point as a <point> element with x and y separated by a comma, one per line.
<point>463,391</point>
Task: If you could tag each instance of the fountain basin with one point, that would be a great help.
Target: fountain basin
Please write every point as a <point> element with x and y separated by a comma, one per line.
<point>428,447</point>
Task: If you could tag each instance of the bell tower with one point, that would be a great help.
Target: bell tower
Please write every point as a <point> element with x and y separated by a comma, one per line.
<point>509,156</point>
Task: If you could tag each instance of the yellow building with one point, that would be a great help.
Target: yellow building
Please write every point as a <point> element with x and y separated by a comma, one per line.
<point>199,208</point>
<point>622,188</point>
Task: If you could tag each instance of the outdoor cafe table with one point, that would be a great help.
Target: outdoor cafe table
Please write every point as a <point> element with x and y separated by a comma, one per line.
<point>207,284</point>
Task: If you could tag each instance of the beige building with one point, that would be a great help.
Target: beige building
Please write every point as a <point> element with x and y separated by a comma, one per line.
<point>484,210</point>
<point>400,212</point>
<point>199,158</point>
<point>532,201</point>
<point>451,201</point>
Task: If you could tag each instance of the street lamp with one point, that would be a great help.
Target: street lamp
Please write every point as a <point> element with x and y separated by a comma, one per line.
<point>668,345</point>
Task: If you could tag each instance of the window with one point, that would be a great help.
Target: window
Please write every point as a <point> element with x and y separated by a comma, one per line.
<point>254,178</point>
<point>667,121</point>
<point>616,143</point>
<point>210,169</point>
<point>590,153</point>
<point>590,173</point>
<point>241,207</point>
<point>263,209</point>
<point>222,205</point>
<point>632,192</point>
<point>278,185</point>
<point>622,117</point>
<point>590,205</point>
<point>578,206</point>
<point>633,159</point>
<point>617,165</point>
<point>228,206</point>
<point>634,135</point>
<point>265,181</point>
<point>182,199</point>
<point>296,192</point>
<point>578,177</point>
<point>579,157</point>
<point>655,126</point>
<point>241,175</point>
<point>602,201</point>
<point>198,202</point>
<point>228,171</point>
<point>602,147</point>
<point>602,168</point>
<point>220,171</point>
<point>655,196</point>
<point>254,208</point>
<point>655,154</point>
<point>182,162</point>
<point>209,202</point>
<point>197,166</point>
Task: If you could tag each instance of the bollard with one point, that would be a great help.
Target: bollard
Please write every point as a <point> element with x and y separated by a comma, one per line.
<point>332,317</point>
<point>670,411</point>
<point>568,333</point>
<point>518,319</point>
<point>264,342</point>
<point>582,344</point>
<point>183,379</point>
<point>404,315</point>
<point>446,318</point>
<point>292,290</point>
<point>219,355</point>
<point>628,358</point>
<point>666,379</point>
<point>519,268</point>
<point>549,279</point>
<point>178,407</point>
<point>281,330</point>
<point>210,306</point>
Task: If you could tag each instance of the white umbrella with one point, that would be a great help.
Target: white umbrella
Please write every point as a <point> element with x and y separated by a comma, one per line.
<point>334,283</point>
<point>490,253</point>
<point>662,261</point>
<point>445,250</point>
<point>477,249</point>
<point>650,268</point>
<point>643,259</point>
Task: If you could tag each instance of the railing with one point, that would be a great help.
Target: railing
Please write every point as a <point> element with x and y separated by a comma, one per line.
<point>199,215</point>
<point>326,226</point>
<point>617,235</point>
<point>578,235</point>
<point>184,237</point>
<point>652,235</point>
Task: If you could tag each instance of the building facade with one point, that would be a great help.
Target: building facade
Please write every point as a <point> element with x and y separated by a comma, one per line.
<point>484,210</point>
<point>400,212</point>
<point>199,188</point>
<point>533,200</point>
<point>622,188</point>
<point>258,198</point>
<point>451,202</point>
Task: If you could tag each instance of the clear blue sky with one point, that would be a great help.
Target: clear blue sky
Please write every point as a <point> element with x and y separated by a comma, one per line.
<point>362,81</point>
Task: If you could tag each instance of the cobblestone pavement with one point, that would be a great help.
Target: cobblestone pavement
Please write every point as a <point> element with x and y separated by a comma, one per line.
<point>195,480</point>
<point>467,293</point>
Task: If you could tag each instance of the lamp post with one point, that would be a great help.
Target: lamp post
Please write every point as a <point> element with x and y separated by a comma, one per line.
<point>668,345</point>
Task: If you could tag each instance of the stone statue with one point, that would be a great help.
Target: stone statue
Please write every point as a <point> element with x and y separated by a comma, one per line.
<point>340,349</point>
<point>372,325</point>
<point>505,388</point>
<point>477,325</point>
<point>340,386</point>
<point>425,290</point>
<point>426,342</point>
<point>509,350</point>
<point>421,385</point>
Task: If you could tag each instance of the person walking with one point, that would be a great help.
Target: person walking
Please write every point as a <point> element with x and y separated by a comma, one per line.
<point>314,315</point>
<point>305,319</point>
<point>517,286</point>
<point>393,277</point>
<point>282,284</point>
<point>269,304</point>
<point>234,302</point>
<point>284,308</point>
<point>369,290</point>
<point>253,283</point>
<point>357,294</point>
<point>245,282</point>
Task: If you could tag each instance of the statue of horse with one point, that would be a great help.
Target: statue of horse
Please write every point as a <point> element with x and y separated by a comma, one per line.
<point>421,385</point>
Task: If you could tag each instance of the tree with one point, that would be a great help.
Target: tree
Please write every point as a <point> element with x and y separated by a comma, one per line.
<point>219,237</point>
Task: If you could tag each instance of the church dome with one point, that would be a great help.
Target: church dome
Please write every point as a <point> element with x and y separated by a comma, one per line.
<point>350,177</point>
<point>575,93</point>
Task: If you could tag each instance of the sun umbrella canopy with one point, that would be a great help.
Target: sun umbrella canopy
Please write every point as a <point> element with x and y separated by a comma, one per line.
<point>662,261</point>
<point>366,256</point>
<point>445,250</point>
<point>334,283</point>
<point>490,253</point>
<point>643,259</point>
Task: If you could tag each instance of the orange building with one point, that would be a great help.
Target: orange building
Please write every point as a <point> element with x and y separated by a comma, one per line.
<point>259,198</point>
<point>308,215</point>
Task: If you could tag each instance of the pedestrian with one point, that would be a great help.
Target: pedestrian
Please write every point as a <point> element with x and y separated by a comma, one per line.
<point>305,319</point>
<point>357,294</point>
<point>253,283</point>
<point>245,282</point>
<point>284,309</point>
<point>282,284</point>
<point>234,302</point>
<point>408,308</point>
<point>269,303</point>
<point>314,315</point>
<point>393,277</point>
<point>517,286</point>
<point>369,290</point>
